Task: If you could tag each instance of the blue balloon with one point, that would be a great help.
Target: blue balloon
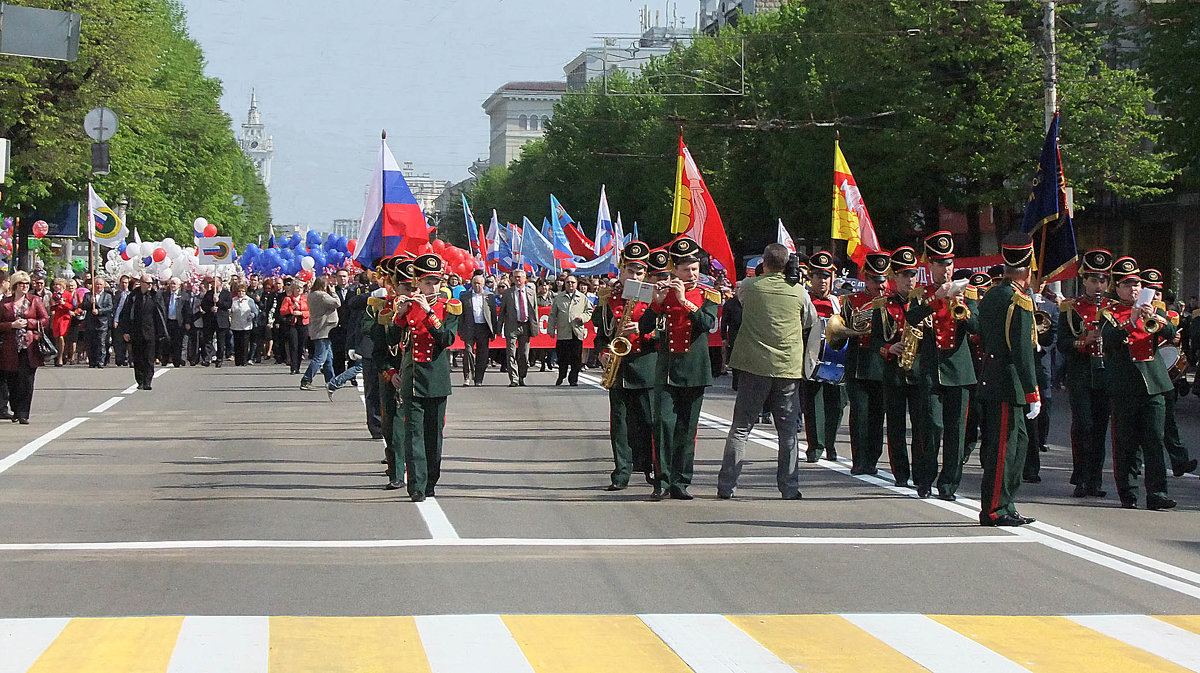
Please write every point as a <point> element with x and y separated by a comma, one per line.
<point>121,247</point>
<point>294,240</point>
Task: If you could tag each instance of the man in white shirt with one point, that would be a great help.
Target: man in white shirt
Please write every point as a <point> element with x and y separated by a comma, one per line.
<point>519,318</point>
<point>476,327</point>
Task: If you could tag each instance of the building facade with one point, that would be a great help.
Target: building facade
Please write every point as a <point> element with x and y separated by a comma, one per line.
<point>519,112</point>
<point>716,14</point>
<point>616,55</point>
<point>256,144</point>
<point>347,227</point>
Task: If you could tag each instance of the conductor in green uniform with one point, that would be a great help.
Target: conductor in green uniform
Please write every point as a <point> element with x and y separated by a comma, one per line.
<point>1008,391</point>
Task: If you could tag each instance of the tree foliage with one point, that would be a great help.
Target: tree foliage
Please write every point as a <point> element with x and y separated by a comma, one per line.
<point>174,155</point>
<point>936,103</point>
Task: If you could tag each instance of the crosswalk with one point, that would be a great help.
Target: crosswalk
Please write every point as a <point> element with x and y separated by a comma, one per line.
<point>659,643</point>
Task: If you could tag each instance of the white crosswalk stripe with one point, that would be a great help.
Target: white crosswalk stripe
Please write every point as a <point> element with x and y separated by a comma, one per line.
<point>226,644</point>
<point>932,645</point>
<point>22,641</point>
<point>458,643</point>
<point>1153,635</point>
<point>713,644</point>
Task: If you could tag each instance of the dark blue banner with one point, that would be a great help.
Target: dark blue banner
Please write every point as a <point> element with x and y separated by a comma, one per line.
<point>1047,219</point>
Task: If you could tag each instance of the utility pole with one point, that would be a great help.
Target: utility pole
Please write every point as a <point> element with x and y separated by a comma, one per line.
<point>1051,64</point>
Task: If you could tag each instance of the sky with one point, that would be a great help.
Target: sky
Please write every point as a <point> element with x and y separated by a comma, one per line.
<point>330,75</point>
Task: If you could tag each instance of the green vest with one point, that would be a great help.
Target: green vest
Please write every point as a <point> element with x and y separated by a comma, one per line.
<point>770,340</point>
<point>1009,371</point>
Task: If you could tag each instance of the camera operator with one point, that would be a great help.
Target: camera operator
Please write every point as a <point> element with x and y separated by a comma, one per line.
<point>769,358</point>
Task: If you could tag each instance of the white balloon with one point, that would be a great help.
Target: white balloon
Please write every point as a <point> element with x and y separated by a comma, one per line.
<point>67,273</point>
<point>113,266</point>
<point>164,274</point>
<point>307,263</point>
<point>113,254</point>
<point>167,241</point>
<point>199,224</point>
<point>173,250</point>
<point>133,250</point>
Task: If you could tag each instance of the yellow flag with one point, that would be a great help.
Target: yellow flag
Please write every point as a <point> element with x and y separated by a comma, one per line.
<point>681,210</point>
<point>851,222</point>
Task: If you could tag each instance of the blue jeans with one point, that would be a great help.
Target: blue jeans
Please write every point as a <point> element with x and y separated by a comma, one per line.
<point>322,361</point>
<point>341,379</point>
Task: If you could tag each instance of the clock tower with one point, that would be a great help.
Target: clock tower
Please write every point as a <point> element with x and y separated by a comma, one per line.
<point>256,145</point>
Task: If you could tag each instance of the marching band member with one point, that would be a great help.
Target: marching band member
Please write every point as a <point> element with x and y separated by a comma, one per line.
<point>630,423</point>
<point>1008,389</point>
<point>824,394</point>
<point>682,370</point>
<point>1138,382</point>
<point>395,277</point>
<point>431,322</point>
<point>981,282</point>
<point>865,366</point>
<point>943,369</point>
<point>1079,340</point>
<point>1045,321</point>
<point>887,339</point>
<point>1181,462</point>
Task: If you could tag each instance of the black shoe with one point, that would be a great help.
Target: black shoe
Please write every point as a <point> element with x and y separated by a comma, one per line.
<point>871,470</point>
<point>1032,479</point>
<point>1079,492</point>
<point>521,383</point>
<point>1026,519</point>
<point>418,497</point>
<point>1095,492</point>
<point>680,493</point>
<point>430,492</point>
<point>856,470</point>
<point>384,461</point>
<point>1044,449</point>
<point>796,496</point>
<point>615,487</point>
<point>1183,468</point>
<point>649,478</point>
<point>25,421</point>
<point>202,364</point>
<point>558,382</point>
<point>811,458</point>
<point>574,384</point>
<point>656,494</point>
<point>1129,504</point>
<point>948,497</point>
<point>1006,520</point>
<point>1155,502</point>
<point>376,435</point>
<point>513,384</point>
<point>5,414</point>
<point>829,455</point>
<point>903,483</point>
<point>394,485</point>
<point>724,496</point>
<point>923,491</point>
<point>218,364</point>
<point>147,387</point>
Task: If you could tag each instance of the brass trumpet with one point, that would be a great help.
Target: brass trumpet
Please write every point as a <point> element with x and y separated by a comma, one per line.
<point>1042,321</point>
<point>958,308</point>
<point>1155,323</point>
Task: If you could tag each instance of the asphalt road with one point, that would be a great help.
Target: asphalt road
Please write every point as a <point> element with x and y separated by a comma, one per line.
<point>232,493</point>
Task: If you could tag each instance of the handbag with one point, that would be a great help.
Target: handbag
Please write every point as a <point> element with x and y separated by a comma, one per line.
<point>45,346</point>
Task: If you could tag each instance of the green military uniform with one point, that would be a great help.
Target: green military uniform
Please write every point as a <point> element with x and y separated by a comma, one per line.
<point>824,399</point>
<point>387,356</point>
<point>1008,387</point>
<point>1181,462</point>
<point>425,382</point>
<point>943,372</point>
<point>864,372</point>
<point>631,426</point>
<point>980,282</point>
<point>682,372</point>
<point>887,329</point>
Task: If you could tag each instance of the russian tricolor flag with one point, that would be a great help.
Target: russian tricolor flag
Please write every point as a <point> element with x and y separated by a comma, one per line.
<point>392,221</point>
<point>605,232</point>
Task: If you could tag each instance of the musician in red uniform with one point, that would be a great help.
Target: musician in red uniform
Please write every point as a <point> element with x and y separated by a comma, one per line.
<point>865,366</point>
<point>630,422</point>
<point>887,330</point>
<point>824,393</point>
<point>1181,462</point>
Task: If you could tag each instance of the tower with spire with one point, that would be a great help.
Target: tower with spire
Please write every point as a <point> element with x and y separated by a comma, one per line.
<point>258,146</point>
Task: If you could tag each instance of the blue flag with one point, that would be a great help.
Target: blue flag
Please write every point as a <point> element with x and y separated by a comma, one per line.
<point>1047,219</point>
<point>538,249</point>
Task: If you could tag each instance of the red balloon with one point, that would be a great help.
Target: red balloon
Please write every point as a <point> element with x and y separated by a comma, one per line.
<point>352,245</point>
<point>158,255</point>
<point>40,228</point>
<point>438,245</point>
<point>210,230</point>
<point>305,275</point>
<point>425,249</point>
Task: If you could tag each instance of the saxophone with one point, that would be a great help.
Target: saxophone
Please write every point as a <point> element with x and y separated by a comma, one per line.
<point>618,348</point>
<point>911,339</point>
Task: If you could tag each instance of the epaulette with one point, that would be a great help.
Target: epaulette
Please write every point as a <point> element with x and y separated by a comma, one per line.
<point>377,302</point>
<point>1023,301</point>
<point>879,302</point>
<point>1174,316</point>
<point>713,296</point>
<point>1066,305</point>
<point>453,307</point>
<point>971,293</point>
<point>602,295</point>
<point>917,293</point>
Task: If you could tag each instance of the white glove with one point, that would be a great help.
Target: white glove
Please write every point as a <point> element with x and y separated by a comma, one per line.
<point>1035,408</point>
<point>380,293</point>
<point>353,354</point>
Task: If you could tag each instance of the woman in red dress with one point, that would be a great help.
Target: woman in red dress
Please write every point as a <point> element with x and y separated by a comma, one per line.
<point>22,318</point>
<point>60,321</point>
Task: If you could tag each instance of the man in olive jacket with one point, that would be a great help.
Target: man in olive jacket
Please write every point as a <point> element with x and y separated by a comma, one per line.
<point>769,358</point>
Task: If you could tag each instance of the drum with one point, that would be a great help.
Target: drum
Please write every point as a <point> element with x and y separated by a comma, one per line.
<point>831,364</point>
<point>1175,360</point>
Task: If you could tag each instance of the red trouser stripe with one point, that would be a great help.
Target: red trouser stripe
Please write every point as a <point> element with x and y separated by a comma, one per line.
<point>1003,449</point>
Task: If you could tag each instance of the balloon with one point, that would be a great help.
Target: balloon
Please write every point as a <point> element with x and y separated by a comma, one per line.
<point>308,263</point>
<point>438,245</point>
<point>131,250</point>
<point>159,254</point>
<point>199,224</point>
<point>40,228</point>
<point>79,264</point>
<point>352,245</point>
<point>210,230</point>
<point>305,275</point>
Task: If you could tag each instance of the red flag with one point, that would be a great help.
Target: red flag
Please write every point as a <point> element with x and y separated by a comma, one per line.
<point>580,244</point>
<point>695,214</point>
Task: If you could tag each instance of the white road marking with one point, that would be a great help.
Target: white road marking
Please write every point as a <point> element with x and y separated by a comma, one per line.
<point>932,645</point>
<point>226,644</point>
<point>456,643</point>
<point>435,519</point>
<point>105,406</point>
<point>1155,636</point>
<point>22,641</point>
<point>160,372</point>
<point>509,542</point>
<point>713,644</point>
<point>130,390</point>
<point>28,450</point>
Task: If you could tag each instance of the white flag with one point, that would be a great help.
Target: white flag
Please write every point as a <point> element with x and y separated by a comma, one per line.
<point>785,239</point>
<point>104,227</point>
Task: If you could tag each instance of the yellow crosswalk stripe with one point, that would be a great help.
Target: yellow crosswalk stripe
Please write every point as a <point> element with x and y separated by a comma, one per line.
<point>349,644</point>
<point>97,645</point>
<point>824,644</point>
<point>591,644</point>
<point>1045,644</point>
<point>1185,622</point>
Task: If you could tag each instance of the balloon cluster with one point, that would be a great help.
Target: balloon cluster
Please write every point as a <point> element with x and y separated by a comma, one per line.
<point>300,256</point>
<point>457,260</point>
<point>163,260</point>
<point>6,233</point>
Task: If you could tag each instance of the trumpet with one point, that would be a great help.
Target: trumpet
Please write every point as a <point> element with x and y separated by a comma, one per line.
<point>1155,323</point>
<point>959,309</point>
<point>837,332</point>
<point>1042,321</point>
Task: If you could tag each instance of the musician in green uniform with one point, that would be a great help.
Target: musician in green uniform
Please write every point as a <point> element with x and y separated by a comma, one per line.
<point>865,365</point>
<point>396,279</point>
<point>431,323</point>
<point>1138,383</point>
<point>1008,390</point>
<point>944,372</point>
<point>980,282</point>
<point>630,423</point>
<point>682,367</point>
<point>1079,339</point>
<point>887,339</point>
<point>1181,462</point>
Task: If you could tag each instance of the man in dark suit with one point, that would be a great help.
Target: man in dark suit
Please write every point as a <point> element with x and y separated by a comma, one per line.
<point>519,318</point>
<point>215,307</point>
<point>120,295</point>
<point>97,308</point>
<point>141,325</point>
<point>174,307</point>
<point>337,335</point>
<point>476,327</point>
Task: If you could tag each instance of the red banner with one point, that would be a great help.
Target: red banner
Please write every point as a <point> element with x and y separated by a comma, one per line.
<point>544,340</point>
